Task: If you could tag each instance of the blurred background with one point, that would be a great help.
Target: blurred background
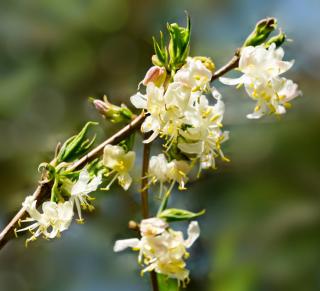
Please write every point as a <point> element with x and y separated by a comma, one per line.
<point>261,229</point>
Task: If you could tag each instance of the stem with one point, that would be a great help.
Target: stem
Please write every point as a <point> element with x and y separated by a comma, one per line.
<point>144,180</point>
<point>145,199</point>
<point>43,190</point>
<point>232,64</point>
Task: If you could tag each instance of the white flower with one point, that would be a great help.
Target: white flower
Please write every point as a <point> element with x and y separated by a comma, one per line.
<point>153,102</point>
<point>261,68</point>
<point>274,97</point>
<point>203,136</point>
<point>163,171</point>
<point>165,252</point>
<point>81,189</point>
<point>152,226</point>
<point>120,162</point>
<point>194,74</point>
<point>56,217</point>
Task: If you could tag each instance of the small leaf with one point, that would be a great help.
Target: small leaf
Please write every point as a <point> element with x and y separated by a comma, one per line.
<point>174,214</point>
<point>167,284</point>
<point>76,145</point>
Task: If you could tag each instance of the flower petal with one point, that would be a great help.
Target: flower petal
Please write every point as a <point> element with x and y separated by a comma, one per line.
<point>193,234</point>
<point>122,244</point>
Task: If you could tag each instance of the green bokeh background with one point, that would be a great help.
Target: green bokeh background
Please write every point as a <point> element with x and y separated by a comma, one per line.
<point>261,229</point>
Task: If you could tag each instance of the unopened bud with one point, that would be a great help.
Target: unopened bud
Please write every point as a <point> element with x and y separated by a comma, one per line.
<point>100,106</point>
<point>156,75</point>
<point>133,225</point>
<point>112,112</point>
<point>261,32</point>
<point>207,62</point>
<point>278,40</point>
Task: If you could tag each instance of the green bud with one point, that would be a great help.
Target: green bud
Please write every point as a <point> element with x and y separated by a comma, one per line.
<point>278,40</point>
<point>174,214</point>
<point>111,112</point>
<point>261,32</point>
<point>179,44</point>
<point>76,146</point>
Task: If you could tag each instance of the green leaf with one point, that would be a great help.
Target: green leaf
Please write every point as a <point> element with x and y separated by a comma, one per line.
<point>174,214</point>
<point>167,284</point>
<point>76,145</point>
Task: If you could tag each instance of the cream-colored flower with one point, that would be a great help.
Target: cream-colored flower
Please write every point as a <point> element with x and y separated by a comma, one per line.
<point>153,102</point>
<point>119,162</point>
<point>56,217</point>
<point>164,252</point>
<point>203,136</point>
<point>194,74</point>
<point>261,68</point>
<point>163,171</point>
<point>152,226</point>
<point>81,189</point>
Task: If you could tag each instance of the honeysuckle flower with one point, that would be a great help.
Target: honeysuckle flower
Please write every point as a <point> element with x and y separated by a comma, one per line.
<point>203,136</point>
<point>153,103</point>
<point>152,226</point>
<point>81,189</point>
<point>119,162</point>
<point>56,217</point>
<point>163,171</point>
<point>274,97</point>
<point>194,74</point>
<point>261,68</point>
<point>164,252</point>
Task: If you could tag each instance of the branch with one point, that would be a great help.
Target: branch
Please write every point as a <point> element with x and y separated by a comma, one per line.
<point>232,64</point>
<point>43,189</point>
<point>145,199</point>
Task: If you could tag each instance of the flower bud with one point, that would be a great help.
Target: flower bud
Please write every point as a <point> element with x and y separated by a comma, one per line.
<point>278,40</point>
<point>112,112</point>
<point>261,32</point>
<point>156,75</point>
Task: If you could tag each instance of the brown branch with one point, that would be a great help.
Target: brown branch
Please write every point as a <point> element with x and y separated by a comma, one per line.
<point>43,190</point>
<point>232,64</point>
<point>145,198</point>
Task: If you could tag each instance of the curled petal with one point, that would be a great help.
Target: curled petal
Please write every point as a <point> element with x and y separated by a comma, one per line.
<point>121,245</point>
<point>231,81</point>
<point>139,101</point>
<point>193,234</point>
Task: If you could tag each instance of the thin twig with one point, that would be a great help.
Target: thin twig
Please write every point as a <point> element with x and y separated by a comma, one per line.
<point>232,64</point>
<point>43,190</point>
<point>145,198</point>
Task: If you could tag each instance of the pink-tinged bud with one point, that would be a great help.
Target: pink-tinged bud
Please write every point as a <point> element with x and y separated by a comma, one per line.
<point>112,112</point>
<point>156,75</point>
<point>100,106</point>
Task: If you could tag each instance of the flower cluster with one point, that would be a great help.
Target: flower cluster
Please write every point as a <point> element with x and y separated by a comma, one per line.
<point>261,68</point>
<point>180,111</point>
<point>161,248</point>
<point>57,216</point>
